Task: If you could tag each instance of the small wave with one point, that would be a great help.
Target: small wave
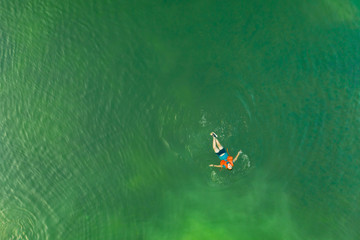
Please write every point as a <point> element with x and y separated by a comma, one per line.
<point>20,223</point>
<point>215,178</point>
<point>244,162</point>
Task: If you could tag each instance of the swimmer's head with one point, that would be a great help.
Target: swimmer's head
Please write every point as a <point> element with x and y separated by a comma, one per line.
<point>229,166</point>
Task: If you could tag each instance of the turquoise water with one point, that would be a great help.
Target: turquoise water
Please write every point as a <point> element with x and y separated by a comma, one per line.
<point>107,108</point>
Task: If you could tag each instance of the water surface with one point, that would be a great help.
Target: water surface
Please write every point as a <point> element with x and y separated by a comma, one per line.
<point>107,109</point>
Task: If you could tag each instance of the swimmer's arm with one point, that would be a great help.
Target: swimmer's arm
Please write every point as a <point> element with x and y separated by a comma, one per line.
<point>237,155</point>
<point>212,165</point>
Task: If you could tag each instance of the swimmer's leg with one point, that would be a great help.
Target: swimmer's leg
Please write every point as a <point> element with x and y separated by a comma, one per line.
<point>216,150</point>
<point>218,144</point>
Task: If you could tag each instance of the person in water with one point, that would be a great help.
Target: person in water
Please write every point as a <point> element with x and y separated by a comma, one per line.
<point>226,160</point>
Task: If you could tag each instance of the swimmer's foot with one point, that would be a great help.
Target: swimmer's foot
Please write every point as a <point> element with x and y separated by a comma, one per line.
<point>213,134</point>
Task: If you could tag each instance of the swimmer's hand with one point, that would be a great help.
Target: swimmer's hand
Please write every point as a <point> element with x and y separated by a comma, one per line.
<point>237,156</point>
<point>211,165</point>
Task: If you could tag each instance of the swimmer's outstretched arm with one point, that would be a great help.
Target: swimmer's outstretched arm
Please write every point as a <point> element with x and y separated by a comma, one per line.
<point>237,155</point>
<point>212,165</point>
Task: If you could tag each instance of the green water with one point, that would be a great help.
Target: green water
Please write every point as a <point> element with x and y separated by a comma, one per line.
<point>107,106</point>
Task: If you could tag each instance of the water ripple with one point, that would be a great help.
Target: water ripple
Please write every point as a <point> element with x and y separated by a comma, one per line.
<point>20,223</point>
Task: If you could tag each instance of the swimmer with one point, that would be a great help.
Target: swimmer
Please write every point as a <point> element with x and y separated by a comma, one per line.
<point>226,160</point>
